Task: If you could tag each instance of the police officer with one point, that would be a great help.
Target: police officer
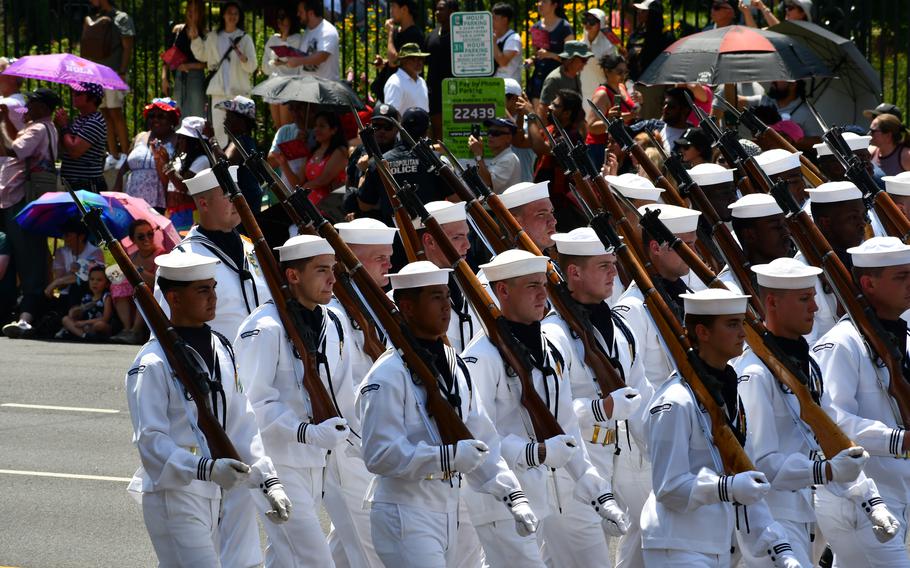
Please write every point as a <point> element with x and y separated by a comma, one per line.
<point>180,483</point>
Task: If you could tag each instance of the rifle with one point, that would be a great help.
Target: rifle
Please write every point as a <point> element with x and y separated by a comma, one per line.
<point>689,366</point>
<point>343,289</point>
<point>514,354</point>
<point>818,252</point>
<point>192,376</point>
<point>830,437</point>
<point>289,309</point>
<point>418,360</point>
<point>768,138</point>
<point>896,224</point>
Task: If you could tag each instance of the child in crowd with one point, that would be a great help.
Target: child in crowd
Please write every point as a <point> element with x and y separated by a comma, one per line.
<point>91,319</point>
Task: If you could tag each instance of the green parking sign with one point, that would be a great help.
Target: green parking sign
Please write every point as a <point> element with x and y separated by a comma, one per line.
<point>467,102</point>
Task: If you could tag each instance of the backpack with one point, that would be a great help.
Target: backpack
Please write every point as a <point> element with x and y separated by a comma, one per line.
<point>98,38</point>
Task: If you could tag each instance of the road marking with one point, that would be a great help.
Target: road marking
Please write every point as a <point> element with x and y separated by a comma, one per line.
<point>67,408</point>
<point>64,476</point>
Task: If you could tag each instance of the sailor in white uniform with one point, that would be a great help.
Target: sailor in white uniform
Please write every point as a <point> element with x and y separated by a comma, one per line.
<point>780,444</point>
<point>274,376</point>
<point>694,508</point>
<point>759,225</point>
<point>419,476</point>
<point>180,482</point>
<point>783,165</point>
<point>856,396</point>
<point>607,420</point>
<point>241,289</point>
<point>530,204</point>
<point>518,279</point>
<point>717,183</point>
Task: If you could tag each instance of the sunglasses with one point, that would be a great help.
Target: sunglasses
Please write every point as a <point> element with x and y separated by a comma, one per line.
<point>498,133</point>
<point>145,236</point>
<point>591,21</point>
<point>872,130</point>
<point>383,126</point>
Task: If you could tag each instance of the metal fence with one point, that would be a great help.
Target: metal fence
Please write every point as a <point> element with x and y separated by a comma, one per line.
<point>880,29</point>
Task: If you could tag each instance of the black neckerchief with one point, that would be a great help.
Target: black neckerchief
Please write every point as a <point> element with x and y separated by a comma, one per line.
<point>602,318</point>
<point>312,318</point>
<point>796,349</point>
<point>721,383</point>
<point>200,339</point>
<point>449,386</point>
<point>898,329</point>
<point>673,289</point>
<point>228,241</point>
<point>529,336</point>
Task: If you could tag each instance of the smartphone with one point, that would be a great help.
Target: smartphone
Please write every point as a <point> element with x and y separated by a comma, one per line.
<point>475,130</point>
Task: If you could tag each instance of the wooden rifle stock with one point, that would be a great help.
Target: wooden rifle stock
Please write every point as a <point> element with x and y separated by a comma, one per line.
<point>513,353</point>
<point>191,376</point>
<point>819,253</point>
<point>620,133</point>
<point>830,437</point>
<point>323,406</point>
<point>733,456</point>
<point>450,425</point>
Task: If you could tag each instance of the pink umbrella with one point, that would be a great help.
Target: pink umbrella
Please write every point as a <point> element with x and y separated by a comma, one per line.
<point>65,68</point>
<point>166,235</point>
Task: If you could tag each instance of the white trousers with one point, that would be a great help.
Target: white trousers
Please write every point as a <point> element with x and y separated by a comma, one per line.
<point>666,558</point>
<point>410,537</point>
<point>470,554</point>
<point>574,537</point>
<point>346,484</point>
<point>299,542</point>
<point>849,533</point>
<point>240,544</point>
<point>183,528</point>
<point>504,548</point>
<point>799,537</point>
<point>631,486</point>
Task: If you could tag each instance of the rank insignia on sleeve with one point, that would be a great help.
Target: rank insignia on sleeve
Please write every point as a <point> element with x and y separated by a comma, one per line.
<point>251,333</point>
<point>369,387</point>
<point>661,408</point>
<point>135,370</point>
<point>471,360</point>
<point>822,347</point>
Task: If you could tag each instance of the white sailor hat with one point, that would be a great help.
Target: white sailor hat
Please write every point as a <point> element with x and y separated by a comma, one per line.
<point>786,273</point>
<point>303,246</point>
<point>714,302</point>
<point>582,241</point>
<point>206,180</point>
<point>419,274</point>
<point>710,174</point>
<point>366,231</point>
<point>186,266</point>
<point>854,141</point>
<point>899,184</point>
<point>525,192</point>
<point>755,205</point>
<point>678,219</point>
<point>634,187</point>
<point>834,192</point>
<point>879,252</point>
<point>444,212</point>
<point>778,160</point>
<point>512,264</point>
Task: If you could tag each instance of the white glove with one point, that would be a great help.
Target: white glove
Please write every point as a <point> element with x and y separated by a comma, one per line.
<point>615,522</point>
<point>625,402</point>
<point>463,457</point>
<point>278,500</point>
<point>327,434</point>
<point>525,520</point>
<point>229,473</point>
<point>746,488</point>
<point>560,450</point>
<point>884,524</point>
<point>787,560</point>
<point>847,464</point>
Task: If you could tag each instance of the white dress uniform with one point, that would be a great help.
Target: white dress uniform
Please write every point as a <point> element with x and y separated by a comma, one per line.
<point>241,289</point>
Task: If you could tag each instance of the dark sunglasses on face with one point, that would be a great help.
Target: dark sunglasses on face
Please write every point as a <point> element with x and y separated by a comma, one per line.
<point>498,132</point>
<point>145,236</point>
<point>591,21</point>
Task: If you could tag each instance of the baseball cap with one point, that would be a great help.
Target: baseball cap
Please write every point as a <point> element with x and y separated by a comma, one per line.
<point>804,5</point>
<point>512,87</point>
<point>415,121</point>
<point>44,95</point>
<point>386,112</point>
<point>884,108</point>
<point>646,4</point>
<point>694,137</point>
<point>504,122</point>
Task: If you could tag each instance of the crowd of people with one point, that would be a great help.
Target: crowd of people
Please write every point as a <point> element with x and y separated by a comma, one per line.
<point>639,463</point>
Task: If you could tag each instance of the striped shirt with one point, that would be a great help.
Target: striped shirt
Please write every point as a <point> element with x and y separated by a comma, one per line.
<point>92,128</point>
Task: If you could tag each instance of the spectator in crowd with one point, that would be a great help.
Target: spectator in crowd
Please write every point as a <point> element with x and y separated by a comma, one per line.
<point>439,61</point>
<point>595,24</point>
<point>274,66</point>
<point>789,130</point>
<point>290,145</point>
<point>548,38</point>
<point>189,75</point>
<point>567,75</point>
<point>91,318</point>
<point>152,150</point>
<point>190,160</point>
<point>406,88</point>
<point>229,53</point>
<point>519,107</point>
<point>7,279</point>
<point>884,108</point>
<point>402,29</point>
<point>675,116</point>
<point>610,94</point>
<point>240,122</point>
<point>694,147</point>
<point>789,98</point>
<point>142,234</point>
<point>645,43</point>
<point>323,169</point>
<point>793,10</point>
<point>114,31</point>
<point>70,266</point>
<point>82,140</point>
<point>11,97</point>
<point>28,151</point>
<point>506,43</point>
<point>319,43</point>
<point>503,170</point>
<point>891,152</point>
<point>723,13</point>
<point>359,162</point>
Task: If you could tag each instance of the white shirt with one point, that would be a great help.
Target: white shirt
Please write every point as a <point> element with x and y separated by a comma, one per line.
<point>322,38</point>
<point>505,170</point>
<point>15,103</point>
<point>592,74</point>
<point>511,45</point>
<point>269,58</point>
<point>670,135</point>
<point>402,92</point>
